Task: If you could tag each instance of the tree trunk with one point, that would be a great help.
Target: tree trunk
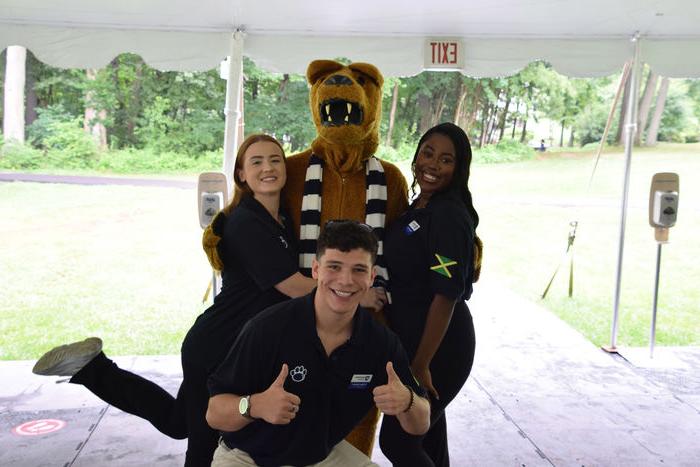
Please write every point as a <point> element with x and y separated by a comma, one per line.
<point>282,90</point>
<point>620,136</point>
<point>423,102</point>
<point>492,124</point>
<point>471,117</point>
<point>32,101</point>
<point>392,113</point>
<point>645,106</point>
<point>653,132</point>
<point>503,119</point>
<point>515,120</point>
<point>15,76</point>
<point>93,119</point>
<point>484,121</point>
<point>523,133</point>
<point>571,138</point>
<point>136,87</point>
<point>460,103</point>
<point>438,109</point>
<point>561,135</point>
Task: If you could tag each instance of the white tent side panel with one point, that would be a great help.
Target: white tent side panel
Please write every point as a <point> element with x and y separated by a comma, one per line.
<point>396,56</point>
<point>95,48</point>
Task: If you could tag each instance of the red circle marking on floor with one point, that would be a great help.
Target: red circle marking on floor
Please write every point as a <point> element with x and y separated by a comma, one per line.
<point>38,427</point>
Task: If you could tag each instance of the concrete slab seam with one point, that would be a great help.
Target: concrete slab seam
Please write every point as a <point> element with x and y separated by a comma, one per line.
<point>679,399</point>
<point>91,430</point>
<point>520,431</point>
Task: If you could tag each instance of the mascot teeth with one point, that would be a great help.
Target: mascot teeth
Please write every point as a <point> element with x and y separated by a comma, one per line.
<point>337,112</point>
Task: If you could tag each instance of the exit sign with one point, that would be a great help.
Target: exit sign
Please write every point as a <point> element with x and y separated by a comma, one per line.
<point>444,54</point>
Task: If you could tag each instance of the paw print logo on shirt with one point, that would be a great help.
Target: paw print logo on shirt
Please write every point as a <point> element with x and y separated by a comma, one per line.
<point>298,374</point>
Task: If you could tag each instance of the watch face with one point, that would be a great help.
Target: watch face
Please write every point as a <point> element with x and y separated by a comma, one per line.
<point>243,406</point>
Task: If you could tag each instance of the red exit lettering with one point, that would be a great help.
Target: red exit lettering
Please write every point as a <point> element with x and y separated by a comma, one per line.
<point>444,52</point>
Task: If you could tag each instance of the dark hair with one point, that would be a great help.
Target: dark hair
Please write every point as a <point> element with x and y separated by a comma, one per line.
<point>463,158</point>
<point>346,235</point>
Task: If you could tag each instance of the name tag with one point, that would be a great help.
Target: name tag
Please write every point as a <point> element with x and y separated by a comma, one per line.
<point>411,227</point>
<point>360,381</point>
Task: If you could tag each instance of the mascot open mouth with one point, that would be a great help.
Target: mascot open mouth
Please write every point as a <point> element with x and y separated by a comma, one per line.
<point>337,112</point>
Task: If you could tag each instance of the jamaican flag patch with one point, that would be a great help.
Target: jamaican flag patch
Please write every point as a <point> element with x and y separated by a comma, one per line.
<point>443,265</point>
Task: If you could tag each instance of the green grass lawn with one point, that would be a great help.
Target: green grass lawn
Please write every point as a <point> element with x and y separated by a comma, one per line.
<point>524,225</point>
<point>122,263</point>
<point>125,263</point>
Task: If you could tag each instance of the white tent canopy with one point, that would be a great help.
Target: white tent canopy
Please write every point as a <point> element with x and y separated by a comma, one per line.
<point>579,38</point>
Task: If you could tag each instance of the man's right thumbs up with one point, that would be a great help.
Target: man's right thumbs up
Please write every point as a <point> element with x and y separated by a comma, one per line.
<point>275,405</point>
<point>392,377</point>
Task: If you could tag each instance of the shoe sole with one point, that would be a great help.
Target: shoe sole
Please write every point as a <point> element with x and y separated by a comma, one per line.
<point>66,360</point>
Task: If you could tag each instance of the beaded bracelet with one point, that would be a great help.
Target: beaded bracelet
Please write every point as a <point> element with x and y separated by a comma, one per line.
<point>410,403</point>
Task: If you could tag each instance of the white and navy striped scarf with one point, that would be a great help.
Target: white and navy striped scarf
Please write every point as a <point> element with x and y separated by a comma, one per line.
<point>375,213</point>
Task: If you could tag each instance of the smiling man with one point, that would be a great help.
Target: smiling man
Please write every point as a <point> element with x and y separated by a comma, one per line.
<point>303,373</point>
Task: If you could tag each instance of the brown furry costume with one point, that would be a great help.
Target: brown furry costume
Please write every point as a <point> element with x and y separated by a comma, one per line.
<point>344,147</point>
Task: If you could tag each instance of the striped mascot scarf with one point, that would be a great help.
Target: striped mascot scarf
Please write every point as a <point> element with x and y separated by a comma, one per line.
<point>375,215</point>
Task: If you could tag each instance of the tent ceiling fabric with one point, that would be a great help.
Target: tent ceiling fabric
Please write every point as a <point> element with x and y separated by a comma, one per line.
<point>500,37</point>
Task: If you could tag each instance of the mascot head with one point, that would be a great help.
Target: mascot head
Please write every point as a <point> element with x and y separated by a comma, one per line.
<point>346,104</point>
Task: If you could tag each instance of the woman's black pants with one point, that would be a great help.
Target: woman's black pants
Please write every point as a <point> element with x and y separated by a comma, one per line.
<point>179,417</point>
<point>449,369</point>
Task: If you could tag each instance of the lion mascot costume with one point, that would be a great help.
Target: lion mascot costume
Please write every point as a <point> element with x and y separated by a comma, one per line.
<point>338,177</point>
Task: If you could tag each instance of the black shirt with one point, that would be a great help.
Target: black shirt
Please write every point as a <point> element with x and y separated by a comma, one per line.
<point>257,253</point>
<point>335,390</point>
<point>428,251</point>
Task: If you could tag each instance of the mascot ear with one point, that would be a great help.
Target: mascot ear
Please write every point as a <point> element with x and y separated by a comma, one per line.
<point>370,70</point>
<point>319,68</point>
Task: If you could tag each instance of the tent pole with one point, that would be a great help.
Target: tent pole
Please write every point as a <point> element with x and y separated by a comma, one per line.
<point>232,110</point>
<point>630,130</point>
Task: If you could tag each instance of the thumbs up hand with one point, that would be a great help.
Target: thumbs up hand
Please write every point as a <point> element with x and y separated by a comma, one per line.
<point>393,397</point>
<point>275,405</point>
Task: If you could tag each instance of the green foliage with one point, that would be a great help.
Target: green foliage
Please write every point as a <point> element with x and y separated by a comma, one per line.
<point>68,146</point>
<point>590,123</point>
<point>675,119</point>
<point>149,162</point>
<point>278,105</point>
<point>41,128</point>
<point>505,151</point>
<point>395,155</point>
<point>18,156</point>
<point>182,112</point>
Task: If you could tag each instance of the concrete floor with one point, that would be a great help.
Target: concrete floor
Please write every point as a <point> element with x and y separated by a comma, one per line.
<point>539,394</point>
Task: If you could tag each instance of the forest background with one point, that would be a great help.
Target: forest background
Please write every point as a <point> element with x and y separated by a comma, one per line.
<point>130,118</point>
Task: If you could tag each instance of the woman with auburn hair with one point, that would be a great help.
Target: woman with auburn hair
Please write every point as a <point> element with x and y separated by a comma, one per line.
<point>254,247</point>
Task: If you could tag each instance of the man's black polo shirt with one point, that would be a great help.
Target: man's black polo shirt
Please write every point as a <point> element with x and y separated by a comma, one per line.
<point>335,391</point>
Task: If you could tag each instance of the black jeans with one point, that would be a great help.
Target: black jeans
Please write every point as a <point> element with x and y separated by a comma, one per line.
<point>449,369</point>
<point>180,417</point>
